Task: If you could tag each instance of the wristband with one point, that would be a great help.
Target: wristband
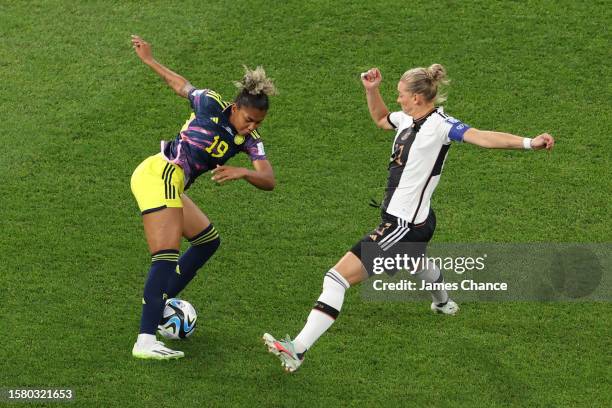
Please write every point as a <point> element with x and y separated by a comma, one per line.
<point>527,143</point>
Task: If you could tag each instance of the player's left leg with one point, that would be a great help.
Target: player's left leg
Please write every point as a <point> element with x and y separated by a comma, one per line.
<point>419,236</point>
<point>441,303</point>
<point>204,241</point>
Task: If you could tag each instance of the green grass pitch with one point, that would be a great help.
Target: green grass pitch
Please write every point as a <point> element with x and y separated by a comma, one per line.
<point>78,112</point>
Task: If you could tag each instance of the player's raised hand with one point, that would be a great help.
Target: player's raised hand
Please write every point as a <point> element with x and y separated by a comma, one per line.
<point>371,78</point>
<point>543,141</point>
<point>222,174</point>
<point>142,48</point>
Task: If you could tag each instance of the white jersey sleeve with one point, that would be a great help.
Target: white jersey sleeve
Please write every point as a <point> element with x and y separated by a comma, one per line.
<point>395,119</point>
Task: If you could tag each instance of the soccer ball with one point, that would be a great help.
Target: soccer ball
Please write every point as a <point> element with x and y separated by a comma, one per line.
<point>178,320</point>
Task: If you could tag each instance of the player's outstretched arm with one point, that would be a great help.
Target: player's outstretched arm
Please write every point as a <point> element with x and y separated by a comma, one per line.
<point>261,177</point>
<point>376,105</point>
<point>499,140</point>
<point>180,85</point>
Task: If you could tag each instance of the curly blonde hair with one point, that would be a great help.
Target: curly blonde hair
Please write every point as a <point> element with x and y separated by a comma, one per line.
<point>254,88</point>
<point>256,82</point>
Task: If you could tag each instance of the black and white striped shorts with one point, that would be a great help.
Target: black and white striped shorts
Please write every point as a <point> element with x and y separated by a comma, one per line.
<point>393,230</point>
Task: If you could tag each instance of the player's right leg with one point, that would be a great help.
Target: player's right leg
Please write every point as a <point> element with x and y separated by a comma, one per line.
<point>348,271</point>
<point>157,186</point>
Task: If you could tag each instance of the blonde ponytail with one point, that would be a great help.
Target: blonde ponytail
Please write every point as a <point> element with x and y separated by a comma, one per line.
<point>427,82</point>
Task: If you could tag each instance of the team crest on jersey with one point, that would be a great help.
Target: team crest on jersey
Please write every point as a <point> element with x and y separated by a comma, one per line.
<point>216,120</point>
<point>238,139</point>
<point>406,132</point>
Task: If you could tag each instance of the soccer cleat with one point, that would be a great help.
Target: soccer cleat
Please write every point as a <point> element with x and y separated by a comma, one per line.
<point>156,351</point>
<point>449,308</point>
<point>285,351</point>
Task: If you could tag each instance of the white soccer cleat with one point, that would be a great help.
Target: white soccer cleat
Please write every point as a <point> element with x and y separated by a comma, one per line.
<point>450,308</point>
<point>285,351</point>
<point>156,351</point>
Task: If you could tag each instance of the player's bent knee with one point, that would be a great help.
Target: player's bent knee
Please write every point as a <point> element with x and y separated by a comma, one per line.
<point>351,268</point>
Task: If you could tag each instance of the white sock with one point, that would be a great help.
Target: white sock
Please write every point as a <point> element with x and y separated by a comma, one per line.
<point>430,275</point>
<point>325,311</point>
<point>146,340</point>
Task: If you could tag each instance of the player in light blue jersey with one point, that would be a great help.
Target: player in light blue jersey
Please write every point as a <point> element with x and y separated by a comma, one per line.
<point>215,132</point>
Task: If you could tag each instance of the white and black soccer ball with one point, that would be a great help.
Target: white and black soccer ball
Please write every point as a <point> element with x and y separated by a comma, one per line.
<point>178,320</point>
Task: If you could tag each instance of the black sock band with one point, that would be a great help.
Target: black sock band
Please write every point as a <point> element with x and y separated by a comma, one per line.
<point>327,309</point>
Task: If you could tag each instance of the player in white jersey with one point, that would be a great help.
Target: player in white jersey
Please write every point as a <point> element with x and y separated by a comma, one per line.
<point>423,135</point>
